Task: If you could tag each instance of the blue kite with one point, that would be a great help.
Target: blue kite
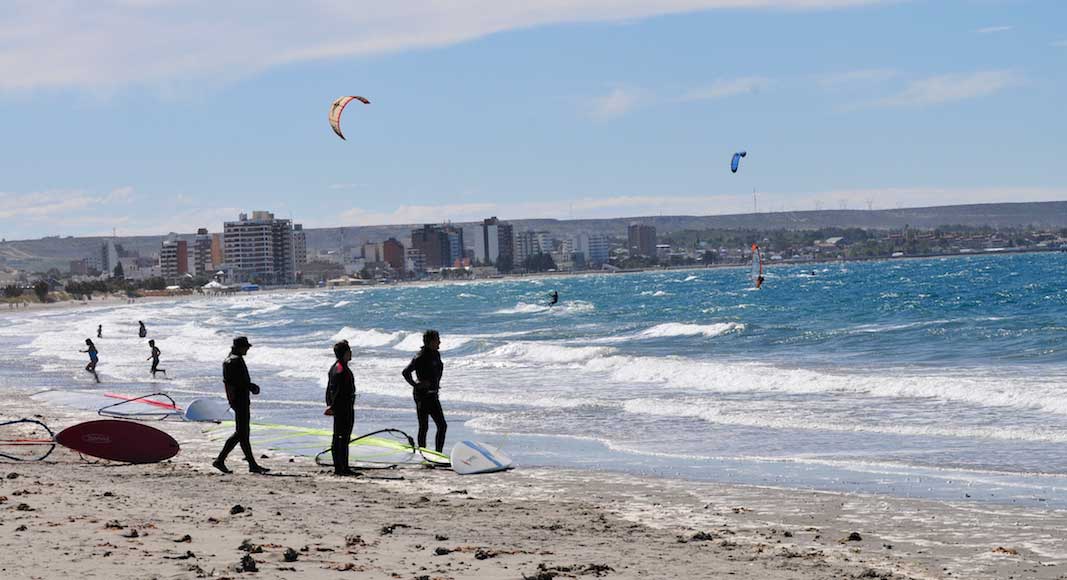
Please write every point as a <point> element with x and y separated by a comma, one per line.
<point>736,161</point>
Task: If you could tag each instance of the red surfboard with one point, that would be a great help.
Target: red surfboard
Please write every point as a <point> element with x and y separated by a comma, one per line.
<point>119,441</point>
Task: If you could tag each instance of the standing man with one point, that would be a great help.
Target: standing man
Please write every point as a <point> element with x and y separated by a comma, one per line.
<point>155,359</point>
<point>239,388</point>
<point>100,331</point>
<point>142,331</point>
<point>428,369</point>
<point>341,402</point>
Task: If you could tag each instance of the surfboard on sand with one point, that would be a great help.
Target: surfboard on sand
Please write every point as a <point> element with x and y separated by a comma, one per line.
<point>471,457</point>
<point>115,440</point>
<point>208,409</point>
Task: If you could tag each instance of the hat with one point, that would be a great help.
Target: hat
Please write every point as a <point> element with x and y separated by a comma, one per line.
<point>241,341</point>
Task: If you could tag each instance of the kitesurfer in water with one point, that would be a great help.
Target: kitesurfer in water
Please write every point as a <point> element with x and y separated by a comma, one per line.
<point>340,402</point>
<point>155,359</point>
<point>239,388</point>
<point>428,368</point>
<point>100,331</point>
<point>93,358</point>
<point>142,331</point>
<point>553,298</point>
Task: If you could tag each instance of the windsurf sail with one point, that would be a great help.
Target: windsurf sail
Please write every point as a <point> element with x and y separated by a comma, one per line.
<point>26,440</point>
<point>153,407</point>
<point>757,266</point>
<point>380,449</point>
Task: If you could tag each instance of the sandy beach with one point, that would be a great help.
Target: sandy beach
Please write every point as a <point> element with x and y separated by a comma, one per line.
<point>68,517</point>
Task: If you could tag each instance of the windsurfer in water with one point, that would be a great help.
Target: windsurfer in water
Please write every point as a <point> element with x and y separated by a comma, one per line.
<point>155,359</point>
<point>428,368</point>
<point>239,388</point>
<point>340,402</point>
<point>553,298</point>
<point>93,358</point>
<point>759,281</point>
<point>142,331</point>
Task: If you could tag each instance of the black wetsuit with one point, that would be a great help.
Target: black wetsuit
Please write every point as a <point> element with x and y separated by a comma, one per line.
<point>155,362</point>
<point>142,332</point>
<point>428,367</point>
<point>238,393</point>
<point>343,385</point>
<point>555,298</point>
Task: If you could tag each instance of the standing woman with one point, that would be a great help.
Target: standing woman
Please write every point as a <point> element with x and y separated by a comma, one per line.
<point>93,358</point>
<point>428,367</point>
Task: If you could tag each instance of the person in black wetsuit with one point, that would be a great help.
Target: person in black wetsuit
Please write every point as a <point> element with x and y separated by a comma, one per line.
<point>93,358</point>
<point>155,359</point>
<point>340,402</point>
<point>554,298</point>
<point>239,388</point>
<point>100,331</point>
<point>142,331</point>
<point>428,367</point>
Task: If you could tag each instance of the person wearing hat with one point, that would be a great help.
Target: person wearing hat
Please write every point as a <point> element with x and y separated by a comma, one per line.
<point>155,359</point>
<point>340,402</point>
<point>239,388</point>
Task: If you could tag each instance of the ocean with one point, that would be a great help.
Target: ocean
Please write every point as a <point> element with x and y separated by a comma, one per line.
<point>940,378</point>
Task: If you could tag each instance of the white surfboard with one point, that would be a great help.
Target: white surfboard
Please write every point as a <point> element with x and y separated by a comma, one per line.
<point>470,457</point>
<point>208,409</point>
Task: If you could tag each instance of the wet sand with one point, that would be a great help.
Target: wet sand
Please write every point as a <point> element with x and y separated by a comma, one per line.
<point>69,518</point>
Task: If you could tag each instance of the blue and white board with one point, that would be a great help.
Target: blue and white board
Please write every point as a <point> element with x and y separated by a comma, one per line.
<point>470,457</point>
<point>208,409</point>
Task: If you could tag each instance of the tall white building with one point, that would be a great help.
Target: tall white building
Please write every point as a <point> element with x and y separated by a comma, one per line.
<point>594,247</point>
<point>260,249</point>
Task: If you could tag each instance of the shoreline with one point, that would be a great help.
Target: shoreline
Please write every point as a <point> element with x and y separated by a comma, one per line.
<point>131,521</point>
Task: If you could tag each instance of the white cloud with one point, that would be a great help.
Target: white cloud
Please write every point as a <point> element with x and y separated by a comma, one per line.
<point>110,44</point>
<point>994,29</point>
<point>617,103</point>
<point>951,88</point>
<point>727,88</point>
<point>56,204</point>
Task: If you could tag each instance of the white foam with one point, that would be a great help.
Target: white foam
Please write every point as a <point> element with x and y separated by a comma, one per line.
<point>371,338</point>
<point>542,352</point>
<point>342,304</point>
<point>678,329</point>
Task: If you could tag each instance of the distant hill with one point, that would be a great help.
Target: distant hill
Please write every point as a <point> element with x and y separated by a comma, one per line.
<point>39,255</point>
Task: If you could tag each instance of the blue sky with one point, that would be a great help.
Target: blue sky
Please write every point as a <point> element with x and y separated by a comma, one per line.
<point>149,116</point>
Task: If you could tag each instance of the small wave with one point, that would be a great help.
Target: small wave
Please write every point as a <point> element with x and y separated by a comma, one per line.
<point>372,338</point>
<point>465,295</point>
<point>342,304</point>
<point>539,352</point>
<point>678,329</point>
<point>413,342</point>
<point>655,294</point>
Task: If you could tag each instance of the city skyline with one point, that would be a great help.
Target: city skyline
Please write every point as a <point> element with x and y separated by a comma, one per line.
<point>601,109</point>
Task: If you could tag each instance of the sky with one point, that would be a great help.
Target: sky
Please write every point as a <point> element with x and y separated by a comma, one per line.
<point>152,116</point>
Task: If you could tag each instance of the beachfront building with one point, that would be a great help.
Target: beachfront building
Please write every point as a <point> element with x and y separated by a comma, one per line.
<point>531,243</point>
<point>300,245</point>
<point>260,249</point>
<point>495,243</point>
<point>414,261</point>
<point>109,257</point>
<point>441,245</point>
<point>641,240</point>
<point>200,256</point>
<point>174,259</point>
<point>217,257</point>
<point>594,248</point>
<point>393,254</point>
